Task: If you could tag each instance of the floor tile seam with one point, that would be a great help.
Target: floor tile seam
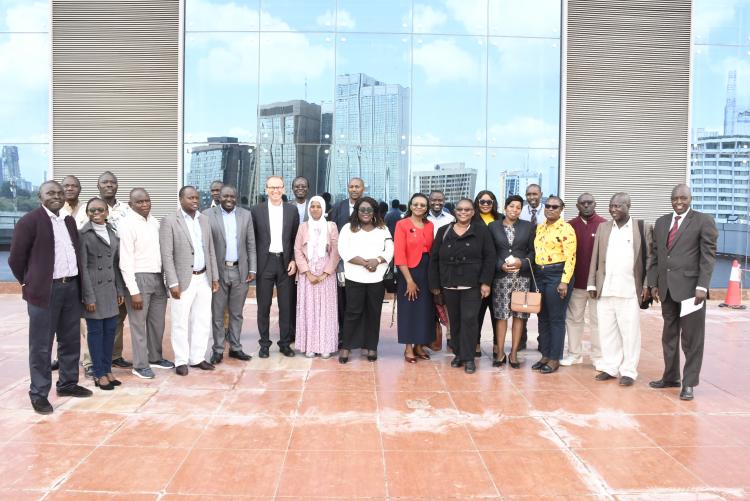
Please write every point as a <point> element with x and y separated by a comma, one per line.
<point>382,446</point>
<point>477,452</point>
<point>593,480</point>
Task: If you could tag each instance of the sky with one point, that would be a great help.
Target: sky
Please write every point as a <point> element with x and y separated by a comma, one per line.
<point>484,78</point>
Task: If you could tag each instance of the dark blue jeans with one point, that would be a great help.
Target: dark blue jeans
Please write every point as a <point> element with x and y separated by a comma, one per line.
<point>101,340</point>
<point>552,316</point>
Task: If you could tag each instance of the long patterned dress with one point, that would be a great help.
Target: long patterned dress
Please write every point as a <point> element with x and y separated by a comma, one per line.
<point>317,311</point>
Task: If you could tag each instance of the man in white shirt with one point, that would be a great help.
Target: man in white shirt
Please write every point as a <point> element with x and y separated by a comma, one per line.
<point>436,215</point>
<point>617,277</point>
<point>533,210</point>
<point>107,185</point>
<point>275,224</point>
<point>146,297</point>
<point>300,188</point>
<point>189,262</point>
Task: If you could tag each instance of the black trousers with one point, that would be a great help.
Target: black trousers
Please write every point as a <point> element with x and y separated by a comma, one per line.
<point>61,317</point>
<point>364,303</point>
<point>463,313</point>
<point>341,297</point>
<point>485,303</point>
<point>689,331</point>
<point>274,274</point>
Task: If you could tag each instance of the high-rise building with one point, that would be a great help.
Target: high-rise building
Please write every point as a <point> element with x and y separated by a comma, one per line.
<point>10,168</point>
<point>225,160</point>
<point>289,135</point>
<point>371,129</point>
<point>515,183</point>
<point>453,179</point>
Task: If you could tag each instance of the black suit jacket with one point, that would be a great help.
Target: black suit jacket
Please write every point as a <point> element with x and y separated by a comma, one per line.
<point>262,227</point>
<point>690,261</point>
<point>340,213</point>
<point>522,248</point>
<point>32,255</point>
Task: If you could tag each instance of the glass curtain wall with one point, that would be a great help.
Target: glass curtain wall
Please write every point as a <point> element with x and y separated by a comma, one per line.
<point>720,125</point>
<point>24,111</point>
<point>332,89</point>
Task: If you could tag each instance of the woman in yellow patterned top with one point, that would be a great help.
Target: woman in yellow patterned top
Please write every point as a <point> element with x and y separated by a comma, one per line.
<point>555,248</point>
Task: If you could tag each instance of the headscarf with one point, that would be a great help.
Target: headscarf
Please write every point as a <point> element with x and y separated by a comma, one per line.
<point>317,230</point>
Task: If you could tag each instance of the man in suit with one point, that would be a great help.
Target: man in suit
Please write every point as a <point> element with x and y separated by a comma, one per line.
<point>234,242</point>
<point>340,215</point>
<point>44,259</point>
<point>393,216</point>
<point>682,261</point>
<point>189,261</point>
<point>275,224</point>
<point>300,188</point>
<point>617,276</point>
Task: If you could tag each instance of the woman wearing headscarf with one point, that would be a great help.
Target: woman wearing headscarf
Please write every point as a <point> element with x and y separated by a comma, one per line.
<point>316,254</point>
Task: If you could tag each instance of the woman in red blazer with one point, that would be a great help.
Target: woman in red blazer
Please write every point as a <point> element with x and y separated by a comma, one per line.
<point>416,311</point>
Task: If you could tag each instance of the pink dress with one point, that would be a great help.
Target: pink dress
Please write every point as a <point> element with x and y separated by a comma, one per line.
<point>317,311</point>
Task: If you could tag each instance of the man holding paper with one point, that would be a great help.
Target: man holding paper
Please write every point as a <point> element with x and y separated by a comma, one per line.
<point>682,261</point>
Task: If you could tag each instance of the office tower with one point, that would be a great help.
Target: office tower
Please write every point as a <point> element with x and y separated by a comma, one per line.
<point>453,179</point>
<point>10,168</point>
<point>225,160</point>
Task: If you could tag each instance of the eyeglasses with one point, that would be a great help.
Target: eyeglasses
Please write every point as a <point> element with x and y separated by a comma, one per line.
<point>486,202</point>
<point>464,209</point>
<point>365,210</point>
<point>94,210</point>
<point>274,188</point>
<point>552,207</point>
<point>419,206</point>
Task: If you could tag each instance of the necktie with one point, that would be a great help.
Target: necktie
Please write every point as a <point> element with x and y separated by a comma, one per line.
<point>533,216</point>
<point>673,232</point>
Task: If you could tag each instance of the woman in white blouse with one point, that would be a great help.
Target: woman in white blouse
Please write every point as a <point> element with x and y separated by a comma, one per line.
<point>366,247</point>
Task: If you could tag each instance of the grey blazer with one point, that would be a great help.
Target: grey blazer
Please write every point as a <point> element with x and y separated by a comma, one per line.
<point>598,266</point>
<point>177,252</point>
<point>101,279</point>
<point>248,260</point>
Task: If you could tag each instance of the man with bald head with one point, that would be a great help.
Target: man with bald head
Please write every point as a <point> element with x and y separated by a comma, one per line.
<point>617,280</point>
<point>682,262</point>
<point>44,259</point>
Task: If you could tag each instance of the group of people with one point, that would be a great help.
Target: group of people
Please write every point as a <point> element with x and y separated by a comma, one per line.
<point>87,266</point>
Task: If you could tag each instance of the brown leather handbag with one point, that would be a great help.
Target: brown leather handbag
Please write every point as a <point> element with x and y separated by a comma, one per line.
<point>527,302</point>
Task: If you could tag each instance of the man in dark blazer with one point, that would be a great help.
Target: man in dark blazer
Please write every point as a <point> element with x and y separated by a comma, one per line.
<point>234,242</point>
<point>275,224</point>
<point>44,259</point>
<point>682,261</point>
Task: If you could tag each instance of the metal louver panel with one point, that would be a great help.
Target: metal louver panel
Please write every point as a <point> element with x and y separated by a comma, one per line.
<point>627,104</point>
<point>115,88</point>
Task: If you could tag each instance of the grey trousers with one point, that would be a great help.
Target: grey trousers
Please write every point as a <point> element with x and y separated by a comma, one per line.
<point>230,297</point>
<point>147,325</point>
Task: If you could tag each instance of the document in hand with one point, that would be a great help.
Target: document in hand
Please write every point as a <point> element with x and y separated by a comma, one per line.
<point>688,306</point>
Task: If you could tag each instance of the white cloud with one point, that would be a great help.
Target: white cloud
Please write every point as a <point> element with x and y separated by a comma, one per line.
<point>709,15</point>
<point>442,60</point>
<point>206,16</point>
<point>528,132</point>
<point>330,20</point>
<point>427,19</point>
<point>471,13</point>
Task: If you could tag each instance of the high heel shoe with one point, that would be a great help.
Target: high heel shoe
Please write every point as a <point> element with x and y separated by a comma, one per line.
<point>411,360</point>
<point>421,354</point>
<point>516,364</point>
<point>112,380</point>
<point>498,363</point>
<point>108,386</point>
<point>372,355</point>
<point>343,358</point>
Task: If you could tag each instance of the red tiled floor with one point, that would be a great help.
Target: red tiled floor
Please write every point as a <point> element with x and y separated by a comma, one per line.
<point>312,430</point>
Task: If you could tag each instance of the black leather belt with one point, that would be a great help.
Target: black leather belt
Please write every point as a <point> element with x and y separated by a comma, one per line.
<point>199,272</point>
<point>231,264</point>
<point>64,280</point>
<point>276,254</point>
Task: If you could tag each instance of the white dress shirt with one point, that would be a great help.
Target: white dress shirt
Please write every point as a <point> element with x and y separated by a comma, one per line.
<point>619,280</point>
<point>301,209</point>
<point>65,254</point>
<point>230,233</point>
<point>139,248</point>
<point>117,213</point>
<point>196,237</point>
<point>276,221</point>
<point>79,214</point>
<point>526,213</point>
<point>440,220</point>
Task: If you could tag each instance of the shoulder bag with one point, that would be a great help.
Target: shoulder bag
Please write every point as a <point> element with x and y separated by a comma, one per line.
<point>527,301</point>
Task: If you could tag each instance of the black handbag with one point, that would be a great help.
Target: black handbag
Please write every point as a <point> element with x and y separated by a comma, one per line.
<point>389,279</point>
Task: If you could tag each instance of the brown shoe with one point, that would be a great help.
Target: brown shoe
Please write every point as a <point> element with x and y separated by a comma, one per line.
<point>204,366</point>
<point>181,370</point>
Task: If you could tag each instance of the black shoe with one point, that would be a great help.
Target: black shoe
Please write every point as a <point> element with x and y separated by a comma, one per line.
<point>626,381</point>
<point>263,352</point>
<point>239,355</point>
<point>516,364</point>
<point>470,367</point>
<point>55,365</point>
<point>88,372</point>
<point>121,363</point>
<point>204,366</point>
<point>548,369</point>
<point>686,393</point>
<point>343,359</point>
<point>108,386</point>
<point>538,365</point>
<point>603,376</point>
<point>455,363</point>
<point>216,358</point>
<point>41,405</point>
<point>181,370</point>
<point>74,391</point>
<point>287,351</point>
<point>372,356</point>
<point>660,383</point>
<point>498,363</point>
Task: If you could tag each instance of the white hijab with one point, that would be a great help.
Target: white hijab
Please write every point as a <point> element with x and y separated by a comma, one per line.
<point>317,230</point>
